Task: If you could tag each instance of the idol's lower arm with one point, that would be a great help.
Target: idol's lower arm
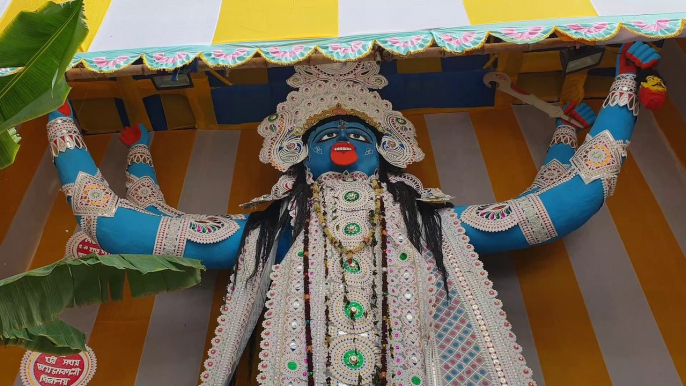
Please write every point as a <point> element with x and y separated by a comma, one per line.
<point>118,225</point>
<point>573,192</point>
<point>142,187</point>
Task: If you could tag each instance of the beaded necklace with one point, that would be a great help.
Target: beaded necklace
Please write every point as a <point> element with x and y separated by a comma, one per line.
<point>335,241</point>
<point>370,240</point>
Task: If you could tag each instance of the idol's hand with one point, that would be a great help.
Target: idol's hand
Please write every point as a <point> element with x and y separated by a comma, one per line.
<point>135,135</point>
<point>634,56</point>
<point>581,113</point>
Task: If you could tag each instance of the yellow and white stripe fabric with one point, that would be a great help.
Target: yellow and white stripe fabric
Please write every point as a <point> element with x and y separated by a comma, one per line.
<point>604,306</point>
<point>171,33</point>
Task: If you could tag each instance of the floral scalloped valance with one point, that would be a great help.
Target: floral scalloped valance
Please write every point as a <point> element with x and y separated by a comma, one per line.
<point>168,34</point>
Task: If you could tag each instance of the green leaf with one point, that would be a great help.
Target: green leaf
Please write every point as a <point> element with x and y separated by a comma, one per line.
<point>43,44</point>
<point>9,147</point>
<point>31,301</point>
<point>56,337</point>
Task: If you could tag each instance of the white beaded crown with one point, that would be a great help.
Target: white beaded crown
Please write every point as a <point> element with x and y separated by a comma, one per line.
<point>332,90</point>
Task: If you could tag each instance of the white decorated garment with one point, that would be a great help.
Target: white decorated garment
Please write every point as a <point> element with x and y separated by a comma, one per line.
<point>434,339</point>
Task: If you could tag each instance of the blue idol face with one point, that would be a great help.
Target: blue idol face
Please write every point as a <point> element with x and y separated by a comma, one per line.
<point>340,146</point>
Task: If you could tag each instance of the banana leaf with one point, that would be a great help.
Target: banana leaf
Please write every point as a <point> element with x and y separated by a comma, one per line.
<point>56,337</point>
<point>41,45</point>
<point>31,301</point>
<point>9,146</point>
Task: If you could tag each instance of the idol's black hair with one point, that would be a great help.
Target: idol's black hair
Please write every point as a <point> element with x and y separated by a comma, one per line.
<point>422,219</point>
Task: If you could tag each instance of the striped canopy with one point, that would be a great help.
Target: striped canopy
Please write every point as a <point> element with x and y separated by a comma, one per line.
<point>170,33</point>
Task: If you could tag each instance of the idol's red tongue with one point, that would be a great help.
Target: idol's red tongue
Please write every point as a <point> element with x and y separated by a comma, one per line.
<point>343,154</point>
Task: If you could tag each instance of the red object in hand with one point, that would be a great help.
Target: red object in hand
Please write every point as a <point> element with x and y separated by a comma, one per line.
<point>626,64</point>
<point>130,135</point>
<point>652,99</point>
<point>343,154</point>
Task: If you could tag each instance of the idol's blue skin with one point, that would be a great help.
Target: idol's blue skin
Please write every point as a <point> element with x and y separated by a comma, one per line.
<point>569,205</point>
<point>141,170</point>
<point>323,138</point>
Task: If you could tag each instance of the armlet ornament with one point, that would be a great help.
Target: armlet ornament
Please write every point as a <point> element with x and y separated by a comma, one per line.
<point>599,157</point>
<point>174,232</point>
<point>528,212</point>
<point>68,189</point>
<point>89,226</point>
<point>623,93</point>
<point>139,154</point>
<point>143,192</point>
<point>63,135</point>
<point>566,135</point>
<point>93,197</point>
<point>549,174</point>
<point>80,245</point>
<point>609,185</point>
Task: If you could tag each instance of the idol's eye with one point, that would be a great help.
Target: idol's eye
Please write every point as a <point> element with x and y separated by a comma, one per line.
<point>328,136</point>
<point>358,137</point>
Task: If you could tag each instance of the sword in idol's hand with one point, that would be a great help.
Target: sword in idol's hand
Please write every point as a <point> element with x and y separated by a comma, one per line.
<point>503,83</point>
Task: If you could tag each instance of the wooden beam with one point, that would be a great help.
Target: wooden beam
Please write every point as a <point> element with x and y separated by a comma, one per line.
<point>550,61</point>
<point>541,62</point>
<point>83,74</point>
<point>200,99</point>
<point>93,90</point>
<point>508,63</point>
<point>545,85</point>
<point>133,101</point>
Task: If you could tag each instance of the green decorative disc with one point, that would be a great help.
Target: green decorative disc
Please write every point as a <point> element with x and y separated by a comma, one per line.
<point>354,310</point>
<point>352,228</point>
<point>301,254</point>
<point>401,121</point>
<point>273,117</point>
<point>292,366</point>
<point>353,359</point>
<point>351,196</point>
<point>403,256</point>
<point>354,267</point>
<point>416,381</point>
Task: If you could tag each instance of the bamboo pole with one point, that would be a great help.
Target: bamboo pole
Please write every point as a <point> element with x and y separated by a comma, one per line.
<point>83,74</point>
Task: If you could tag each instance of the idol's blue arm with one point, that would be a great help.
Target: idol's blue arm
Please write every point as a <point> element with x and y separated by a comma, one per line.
<point>142,187</point>
<point>126,227</point>
<point>573,184</point>
<point>138,163</point>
